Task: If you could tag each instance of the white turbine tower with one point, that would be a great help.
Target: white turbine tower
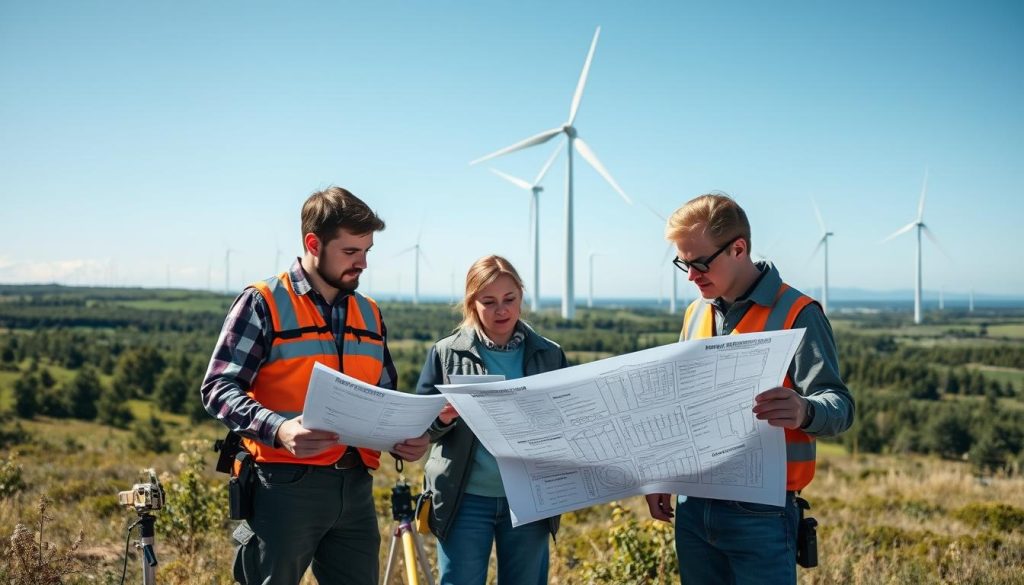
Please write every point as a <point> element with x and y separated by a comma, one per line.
<point>227,270</point>
<point>573,141</point>
<point>920,227</point>
<point>822,245</point>
<point>416,272</point>
<point>534,189</point>
<point>590,288</point>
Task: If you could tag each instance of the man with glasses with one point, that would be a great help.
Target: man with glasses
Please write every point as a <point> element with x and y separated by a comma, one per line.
<point>719,541</point>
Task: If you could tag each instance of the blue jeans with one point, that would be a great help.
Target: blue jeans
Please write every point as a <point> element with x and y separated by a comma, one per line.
<point>480,521</point>
<point>728,542</point>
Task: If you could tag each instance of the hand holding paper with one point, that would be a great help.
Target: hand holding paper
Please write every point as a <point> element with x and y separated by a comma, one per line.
<point>363,415</point>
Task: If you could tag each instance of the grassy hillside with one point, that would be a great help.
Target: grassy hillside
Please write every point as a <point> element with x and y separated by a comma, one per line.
<point>933,494</point>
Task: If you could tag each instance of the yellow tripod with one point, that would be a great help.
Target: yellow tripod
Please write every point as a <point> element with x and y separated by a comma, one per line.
<point>412,548</point>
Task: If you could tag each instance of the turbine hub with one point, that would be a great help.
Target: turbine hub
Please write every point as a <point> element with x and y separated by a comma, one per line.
<point>569,131</point>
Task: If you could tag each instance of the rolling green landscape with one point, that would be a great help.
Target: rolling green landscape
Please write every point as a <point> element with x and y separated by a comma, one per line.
<point>98,383</point>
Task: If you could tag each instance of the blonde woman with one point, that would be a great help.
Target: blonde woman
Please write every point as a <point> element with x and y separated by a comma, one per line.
<point>470,512</point>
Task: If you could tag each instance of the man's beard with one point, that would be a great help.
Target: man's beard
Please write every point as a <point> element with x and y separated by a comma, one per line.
<point>336,282</point>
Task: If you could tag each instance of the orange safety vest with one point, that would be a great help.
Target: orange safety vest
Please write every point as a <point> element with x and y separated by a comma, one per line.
<point>301,338</point>
<point>699,324</point>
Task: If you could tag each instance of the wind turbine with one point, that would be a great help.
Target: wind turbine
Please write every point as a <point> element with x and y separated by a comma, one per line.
<point>573,141</point>
<point>534,189</point>
<point>590,292</point>
<point>822,245</point>
<point>669,252</point>
<point>921,227</point>
<point>227,270</point>
<point>416,273</point>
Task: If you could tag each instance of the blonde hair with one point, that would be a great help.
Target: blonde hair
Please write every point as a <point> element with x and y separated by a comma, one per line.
<point>716,214</point>
<point>481,274</point>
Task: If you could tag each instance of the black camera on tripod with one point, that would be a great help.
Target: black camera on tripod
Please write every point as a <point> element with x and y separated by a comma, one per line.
<point>401,502</point>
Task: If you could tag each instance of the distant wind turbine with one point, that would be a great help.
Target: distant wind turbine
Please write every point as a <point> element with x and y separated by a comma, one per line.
<point>822,245</point>
<point>573,141</point>
<point>590,291</point>
<point>534,189</point>
<point>227,270</point>
<point>416,273</point>
<point>921,227</point>
<point>669,252</point>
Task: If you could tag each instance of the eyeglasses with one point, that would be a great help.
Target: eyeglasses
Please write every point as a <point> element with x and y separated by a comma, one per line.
<point>701,265</point>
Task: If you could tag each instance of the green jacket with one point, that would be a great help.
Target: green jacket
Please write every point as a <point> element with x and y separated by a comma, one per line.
<point>451,456</point>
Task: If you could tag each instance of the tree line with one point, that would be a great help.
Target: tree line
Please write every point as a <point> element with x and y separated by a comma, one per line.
<point>911,397</point>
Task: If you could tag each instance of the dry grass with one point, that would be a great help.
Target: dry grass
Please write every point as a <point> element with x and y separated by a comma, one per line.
<point>882,519</point>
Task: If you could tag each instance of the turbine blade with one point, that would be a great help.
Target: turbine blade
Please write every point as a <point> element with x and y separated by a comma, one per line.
<point>531,141</point>
<point>669,252</point>
<point>817,212</point>
<point>547,165</point>
<point>900,231</point>
<point>653,212</point>
<point>588,155</point>
<point>409,249</point>
<point>924,191</point>
<point>935,241</point>
<point>514,180</point>
<point>578,96</point>
<point>423,256</point>
<point>821,243</point>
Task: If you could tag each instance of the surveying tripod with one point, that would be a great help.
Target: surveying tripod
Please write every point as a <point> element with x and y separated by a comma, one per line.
<point>412,547</point>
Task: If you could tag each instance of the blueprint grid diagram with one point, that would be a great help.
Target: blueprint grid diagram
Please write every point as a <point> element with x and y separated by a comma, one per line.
<point>673,419</point>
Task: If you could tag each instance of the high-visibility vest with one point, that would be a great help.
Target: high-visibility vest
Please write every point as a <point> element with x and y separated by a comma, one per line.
<point>698,323</point>
<point>301,338</point>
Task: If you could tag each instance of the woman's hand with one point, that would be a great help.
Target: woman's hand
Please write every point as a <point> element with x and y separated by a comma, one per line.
<point>448,414</point>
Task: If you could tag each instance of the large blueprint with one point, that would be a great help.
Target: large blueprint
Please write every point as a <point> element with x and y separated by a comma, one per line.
<point>671,419</point>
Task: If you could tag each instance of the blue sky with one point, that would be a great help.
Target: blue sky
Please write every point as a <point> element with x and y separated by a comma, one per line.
<point>141,140</point>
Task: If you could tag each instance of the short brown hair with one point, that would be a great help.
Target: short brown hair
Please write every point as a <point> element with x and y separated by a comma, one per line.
<point>332,208</point>
<point>481,274</point>
<point>716,214</point>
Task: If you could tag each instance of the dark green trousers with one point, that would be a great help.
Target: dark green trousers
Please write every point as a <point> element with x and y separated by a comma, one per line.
<point>302,515</point>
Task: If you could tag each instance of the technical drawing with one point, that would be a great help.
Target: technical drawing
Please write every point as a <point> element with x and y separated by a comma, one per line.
<point>638,387</point>
<point>597,443</point>
<point>616,477</point>
<point>675,464</point>
<point>653,428</point>
<point>742,366</point>
<point>735,423</point>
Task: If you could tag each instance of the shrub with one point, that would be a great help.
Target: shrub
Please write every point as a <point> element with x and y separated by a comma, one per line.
<point>34,561</point>
<point>195,507</point>
<point>11,481</point>
<point>993,516</point>
<point>641,552</point>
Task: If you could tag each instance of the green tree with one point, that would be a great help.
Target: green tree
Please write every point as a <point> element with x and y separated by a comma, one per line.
<point>949,435</point>
<point>26,395</point>
<point>82,393</point>
<point>46,379</point>
<point>112,406</point>
<point>150,435</point>
<point>137,370</point>
<point>172,390</point>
